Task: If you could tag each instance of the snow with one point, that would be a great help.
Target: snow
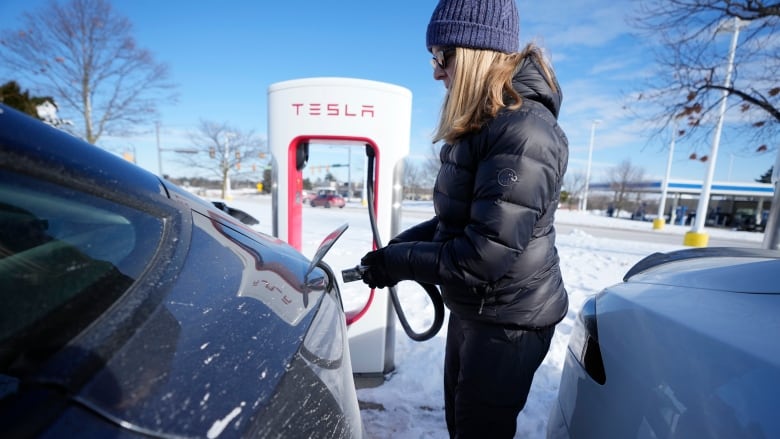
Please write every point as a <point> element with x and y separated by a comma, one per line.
<point>410,403</point>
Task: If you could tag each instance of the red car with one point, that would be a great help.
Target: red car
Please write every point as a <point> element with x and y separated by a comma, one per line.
<point>328,198</point>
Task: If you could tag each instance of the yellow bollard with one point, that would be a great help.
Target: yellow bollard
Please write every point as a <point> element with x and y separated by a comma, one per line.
<point>695,239</point>
<point>658,223</point>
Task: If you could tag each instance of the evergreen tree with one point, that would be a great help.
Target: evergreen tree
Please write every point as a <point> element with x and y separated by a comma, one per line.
<point>766,177</point>
<point>12,95</point>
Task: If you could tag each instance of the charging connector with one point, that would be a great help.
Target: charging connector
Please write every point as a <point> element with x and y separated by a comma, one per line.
<point>353,274</point>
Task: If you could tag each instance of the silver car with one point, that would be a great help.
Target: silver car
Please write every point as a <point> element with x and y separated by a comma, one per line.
<point>686,347</point>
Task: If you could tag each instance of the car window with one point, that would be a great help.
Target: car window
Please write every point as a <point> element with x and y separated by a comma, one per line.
<point>65,256</point>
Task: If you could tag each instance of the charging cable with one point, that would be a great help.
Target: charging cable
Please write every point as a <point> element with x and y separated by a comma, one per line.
<point>356,273</point>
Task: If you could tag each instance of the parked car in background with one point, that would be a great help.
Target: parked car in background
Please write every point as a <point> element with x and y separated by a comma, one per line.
<point>328,198</point>
<point>134,308</point>
<point>685,347</point>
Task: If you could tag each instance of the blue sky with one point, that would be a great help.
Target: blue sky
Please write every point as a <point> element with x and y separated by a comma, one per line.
<point>225,55</point>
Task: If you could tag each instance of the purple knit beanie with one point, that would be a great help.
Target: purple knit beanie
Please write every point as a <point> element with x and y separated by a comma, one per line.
<point>475,24</point>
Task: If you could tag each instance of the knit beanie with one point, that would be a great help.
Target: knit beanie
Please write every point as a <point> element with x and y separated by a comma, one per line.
<point>475,24</point>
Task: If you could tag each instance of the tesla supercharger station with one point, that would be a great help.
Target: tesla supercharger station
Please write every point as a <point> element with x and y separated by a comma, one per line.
<point>352,111</point>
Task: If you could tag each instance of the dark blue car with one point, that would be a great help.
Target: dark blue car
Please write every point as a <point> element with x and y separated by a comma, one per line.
<point>131,307</point>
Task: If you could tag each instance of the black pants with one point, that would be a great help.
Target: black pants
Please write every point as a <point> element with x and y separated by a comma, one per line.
<point>488,370</point>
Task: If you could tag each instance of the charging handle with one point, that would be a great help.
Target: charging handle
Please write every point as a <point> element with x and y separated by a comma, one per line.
<point>301,155</point>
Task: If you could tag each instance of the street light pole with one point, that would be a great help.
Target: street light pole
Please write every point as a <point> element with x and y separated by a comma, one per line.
<point>349,172</point>
<point>226,190</point>
<point>160,151</point>
<point>696,237</point>
<point>590,160</point>
<point>772,226</point>
<point>659,222</point>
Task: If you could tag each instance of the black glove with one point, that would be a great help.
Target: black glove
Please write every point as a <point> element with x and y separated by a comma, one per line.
<point>375,274</point>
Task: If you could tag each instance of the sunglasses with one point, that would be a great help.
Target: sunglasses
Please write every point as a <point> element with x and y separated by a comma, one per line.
<point>440,58</point>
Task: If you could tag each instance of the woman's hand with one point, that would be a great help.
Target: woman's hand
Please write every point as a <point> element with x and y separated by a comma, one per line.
<point>376,274</point>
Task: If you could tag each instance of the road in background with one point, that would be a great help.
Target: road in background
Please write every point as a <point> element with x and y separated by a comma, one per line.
<point>623,229</point>
<point>647,236</point>
<point>565,223</point>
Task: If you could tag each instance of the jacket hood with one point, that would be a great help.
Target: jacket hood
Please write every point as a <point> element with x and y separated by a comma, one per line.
<point>530,83</point>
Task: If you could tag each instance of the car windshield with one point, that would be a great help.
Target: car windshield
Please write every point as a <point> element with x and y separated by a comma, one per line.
<point>65,256</point>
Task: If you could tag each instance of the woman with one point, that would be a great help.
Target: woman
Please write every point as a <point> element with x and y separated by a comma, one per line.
<point>491,245</point>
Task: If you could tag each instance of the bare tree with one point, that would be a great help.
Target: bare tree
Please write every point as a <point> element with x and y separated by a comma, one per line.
<point>433,163</point>
<point>621,180</point>
<point>574,184</point>
<point>12,95</point>
<point>414,178</point>
<point>693,59</point>
<point>223,150</point>
<point>83,54</point>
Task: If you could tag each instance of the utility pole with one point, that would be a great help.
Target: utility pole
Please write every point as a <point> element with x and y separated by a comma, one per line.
<point>349,173</point>
<point>771,229</point>
<point>696,237</point>
<point>590,160</point>
<point>660,221</point>
<point>226,189</point>
<point>160,150</point>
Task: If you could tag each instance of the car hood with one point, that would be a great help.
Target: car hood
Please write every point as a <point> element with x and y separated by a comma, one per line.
<point>214,351</point>
<point>736,270</point>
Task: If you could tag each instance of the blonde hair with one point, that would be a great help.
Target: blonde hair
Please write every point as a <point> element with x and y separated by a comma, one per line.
<point>481,86</point>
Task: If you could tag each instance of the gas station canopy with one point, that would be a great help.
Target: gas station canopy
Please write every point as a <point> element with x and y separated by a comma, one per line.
<point>764,190</point>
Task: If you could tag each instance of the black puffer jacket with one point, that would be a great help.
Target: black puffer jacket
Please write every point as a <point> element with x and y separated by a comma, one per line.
<point>491,245</point>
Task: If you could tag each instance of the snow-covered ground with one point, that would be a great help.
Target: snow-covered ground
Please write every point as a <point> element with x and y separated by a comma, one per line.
<point>410,403</point>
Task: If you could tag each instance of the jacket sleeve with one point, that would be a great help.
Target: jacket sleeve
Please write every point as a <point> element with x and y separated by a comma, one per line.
<point>423,231</point>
